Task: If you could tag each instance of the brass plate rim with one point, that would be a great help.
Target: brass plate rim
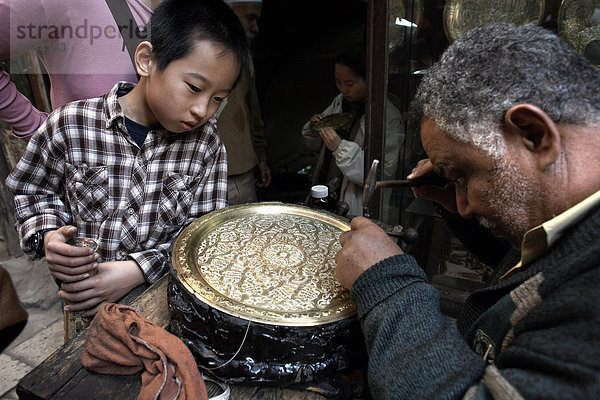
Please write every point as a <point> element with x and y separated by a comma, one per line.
<point>185,245</point>
<point>329,121</point>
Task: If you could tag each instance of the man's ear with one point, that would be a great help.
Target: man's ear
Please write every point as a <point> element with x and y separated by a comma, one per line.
<point>144,61</point>
<point>535,129</point>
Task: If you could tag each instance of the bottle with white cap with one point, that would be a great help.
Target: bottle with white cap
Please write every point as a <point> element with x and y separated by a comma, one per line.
<point>318,197</point>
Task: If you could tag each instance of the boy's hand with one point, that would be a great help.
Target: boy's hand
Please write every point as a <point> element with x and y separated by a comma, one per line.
<point>445,196</point>
<point>65,262</point>
<point>112,281</point>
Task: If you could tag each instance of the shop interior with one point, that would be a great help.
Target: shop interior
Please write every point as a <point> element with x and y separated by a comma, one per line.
<point>293,58</point>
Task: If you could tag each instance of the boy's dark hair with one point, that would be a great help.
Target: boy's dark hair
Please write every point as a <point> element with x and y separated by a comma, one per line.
<point>353,57</point>
<point>177,24</point>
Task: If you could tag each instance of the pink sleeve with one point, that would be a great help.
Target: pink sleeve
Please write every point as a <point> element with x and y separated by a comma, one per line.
<point>15,109</point>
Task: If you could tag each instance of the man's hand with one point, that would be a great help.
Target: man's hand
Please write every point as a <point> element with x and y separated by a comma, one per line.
<point>332,140</point>
<point>265,174</point>
<point>445,196</point>
<point>65,262</point>
<point>112,281</point>
<point>362,247</point>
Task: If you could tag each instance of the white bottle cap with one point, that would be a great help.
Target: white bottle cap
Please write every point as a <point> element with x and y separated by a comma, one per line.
<point>319,191</point>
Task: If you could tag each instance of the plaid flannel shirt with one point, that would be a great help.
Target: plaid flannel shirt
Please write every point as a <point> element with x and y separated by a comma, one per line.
<point>82,168</point>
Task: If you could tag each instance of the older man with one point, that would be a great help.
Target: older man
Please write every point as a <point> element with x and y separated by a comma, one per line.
<point>511,116</point>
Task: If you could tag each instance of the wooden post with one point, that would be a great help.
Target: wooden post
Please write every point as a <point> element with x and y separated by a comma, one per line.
<point>11,150</point>
<point>7,207</point>
<point>36,80</point>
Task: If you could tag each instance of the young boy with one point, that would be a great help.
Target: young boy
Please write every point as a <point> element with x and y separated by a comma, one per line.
<point>132,168</point>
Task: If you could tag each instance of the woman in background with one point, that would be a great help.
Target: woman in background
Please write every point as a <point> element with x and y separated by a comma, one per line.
<point>342,150</point>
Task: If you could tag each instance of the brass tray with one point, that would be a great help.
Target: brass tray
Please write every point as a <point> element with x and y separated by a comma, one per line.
<point>265,262</point>
<point>579,25</point>
<point>334,121</point>
<point>460,16</point>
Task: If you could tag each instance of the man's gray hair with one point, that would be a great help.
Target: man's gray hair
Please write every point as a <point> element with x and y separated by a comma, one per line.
<point>495,67</point>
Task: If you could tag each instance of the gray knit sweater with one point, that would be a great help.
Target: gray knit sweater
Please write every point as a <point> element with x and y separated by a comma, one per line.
<point>539,330</point>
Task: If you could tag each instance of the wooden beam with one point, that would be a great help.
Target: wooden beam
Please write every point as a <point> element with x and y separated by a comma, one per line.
<point>38,85</point>
<point>7,207</point>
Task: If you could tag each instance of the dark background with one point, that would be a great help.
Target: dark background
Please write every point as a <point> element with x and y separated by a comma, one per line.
<point>293,58</point>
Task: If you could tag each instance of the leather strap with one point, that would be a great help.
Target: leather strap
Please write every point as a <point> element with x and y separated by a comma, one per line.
<point>124,18</point>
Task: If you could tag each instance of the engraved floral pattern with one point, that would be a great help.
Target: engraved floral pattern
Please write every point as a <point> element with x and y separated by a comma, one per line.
<point>285,263</point>
<point>266,265</point>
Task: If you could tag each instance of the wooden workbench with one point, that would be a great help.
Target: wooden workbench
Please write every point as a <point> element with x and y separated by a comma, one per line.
<point>61,376</point>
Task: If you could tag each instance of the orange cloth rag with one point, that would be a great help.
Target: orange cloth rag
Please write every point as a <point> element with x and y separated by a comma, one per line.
<point>120,341</point>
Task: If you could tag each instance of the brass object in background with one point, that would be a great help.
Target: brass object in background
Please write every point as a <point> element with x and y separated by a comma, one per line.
<point>334,121</point>
<point>266,262</point>
<point>579,25</point>
<point>460,16</point>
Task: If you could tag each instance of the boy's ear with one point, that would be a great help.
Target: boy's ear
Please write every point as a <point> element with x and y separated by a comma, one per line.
<point>143,58</point>
<point>534,129</point>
